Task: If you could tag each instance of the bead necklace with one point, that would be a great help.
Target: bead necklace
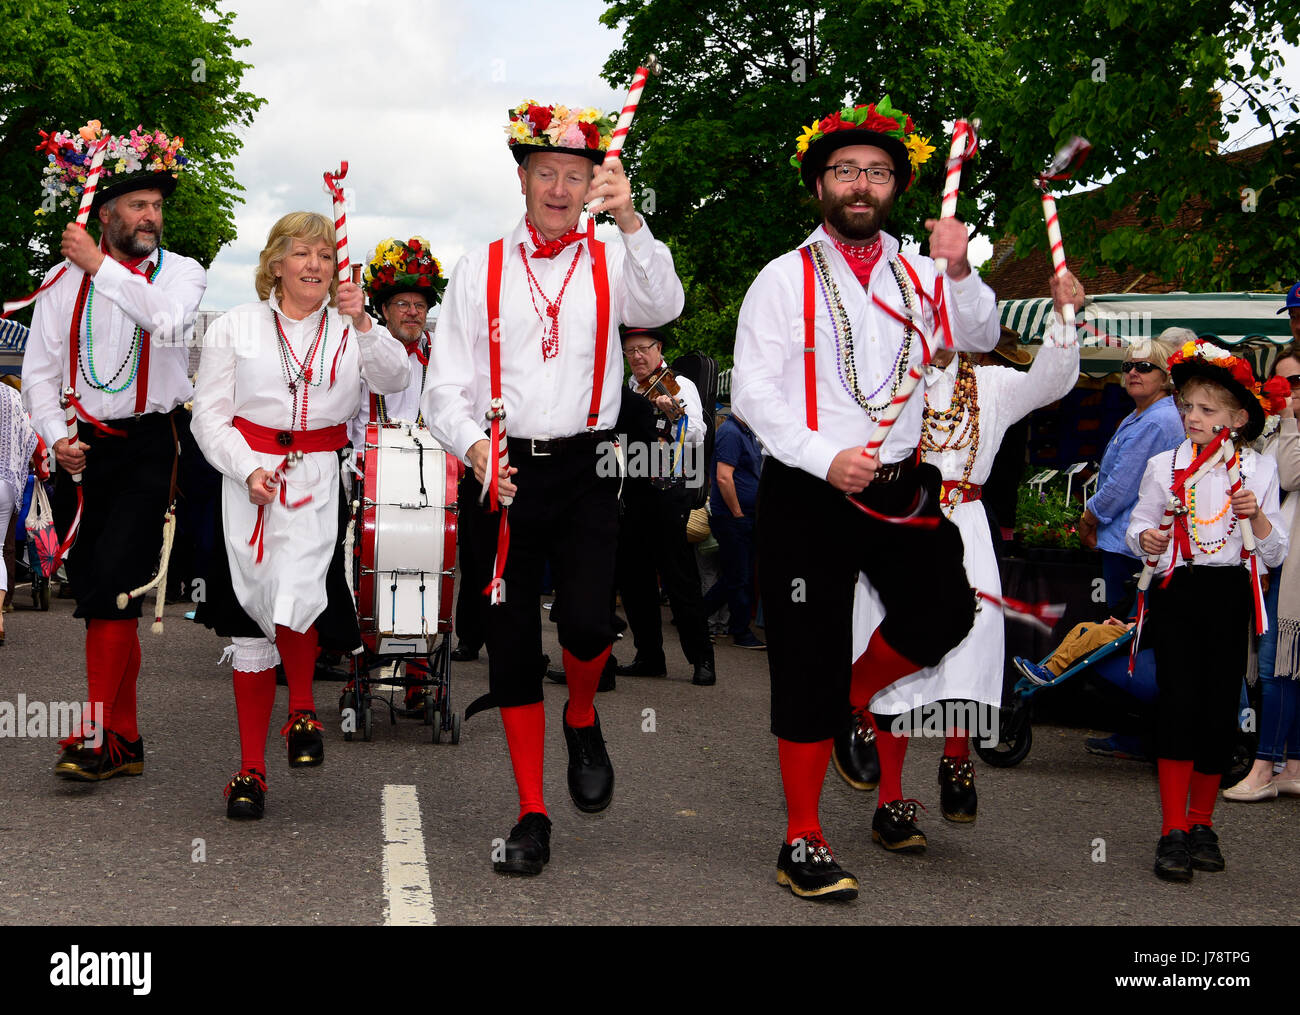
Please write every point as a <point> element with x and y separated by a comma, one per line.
<point>86,363</point>
<point>304,368</point>
<point>841,328</point>
<point>1212,546</point>
<point>551,333</point>
<point>963,411</point>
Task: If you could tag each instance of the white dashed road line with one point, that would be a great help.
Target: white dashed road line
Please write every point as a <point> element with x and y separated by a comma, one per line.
<point>408,898</point>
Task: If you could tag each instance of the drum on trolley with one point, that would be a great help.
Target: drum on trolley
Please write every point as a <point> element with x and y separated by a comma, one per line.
<point>404,557</point>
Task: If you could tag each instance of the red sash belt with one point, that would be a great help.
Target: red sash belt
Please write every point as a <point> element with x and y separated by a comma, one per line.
<point>955,491</point>
<point>266,440</point>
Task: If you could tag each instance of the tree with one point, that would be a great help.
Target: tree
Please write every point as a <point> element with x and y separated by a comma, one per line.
<point>1154,86</point>
<point>167,64</point>
<point>709,151</point>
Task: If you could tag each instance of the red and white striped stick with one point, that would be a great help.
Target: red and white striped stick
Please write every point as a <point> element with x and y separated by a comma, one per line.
<point>624,124</point>
<point>1247,542</point>
<point>332,181</point>
<point>963,147</point>
<point>1063,165</point>
<point>70,418</point>
<point>83,218</point>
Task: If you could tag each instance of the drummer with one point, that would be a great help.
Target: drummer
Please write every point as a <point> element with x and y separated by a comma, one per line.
<point>277,383</point>
<point>552,356</point>
<point>403,280</point>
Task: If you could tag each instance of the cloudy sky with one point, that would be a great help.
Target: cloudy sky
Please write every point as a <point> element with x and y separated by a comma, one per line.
<point>413,94</point>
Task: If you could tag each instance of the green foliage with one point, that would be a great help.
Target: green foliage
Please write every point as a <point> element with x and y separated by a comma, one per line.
<point>714,134</point>
<point>168,64</point>
<point>1045,518</point>
<point>1153,86</point>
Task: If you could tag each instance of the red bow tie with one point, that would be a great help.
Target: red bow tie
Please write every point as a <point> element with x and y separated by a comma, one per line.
<point>549,248</point>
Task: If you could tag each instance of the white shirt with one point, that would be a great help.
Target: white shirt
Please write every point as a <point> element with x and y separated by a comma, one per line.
<point>401,405</point>
<point>689,396</point>
<point>122,300</point>
<point>543,397</point>
<point>1258,474</point>
<point>768,376</point>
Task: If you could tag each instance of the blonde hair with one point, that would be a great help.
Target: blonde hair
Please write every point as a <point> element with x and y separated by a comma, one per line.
<point>1158,350</point>
<point>307,226</point>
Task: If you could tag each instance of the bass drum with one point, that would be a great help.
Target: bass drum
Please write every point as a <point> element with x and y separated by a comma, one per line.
<point>406,554</point>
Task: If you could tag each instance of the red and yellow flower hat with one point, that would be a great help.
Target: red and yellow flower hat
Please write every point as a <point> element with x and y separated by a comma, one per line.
<point>1214,363</point>
<point>878,124</point>
<point>563,129</point>
<point>403,267</point>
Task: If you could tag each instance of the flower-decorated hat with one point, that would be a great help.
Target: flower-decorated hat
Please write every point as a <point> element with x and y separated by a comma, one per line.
<point>145,159</point>
<point>878,124</point>
<point>1205,359</point>
<point>568,131</point>
<point>397,267</point>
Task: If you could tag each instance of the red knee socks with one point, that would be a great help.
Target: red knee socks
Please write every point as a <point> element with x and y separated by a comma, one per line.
<point>957,745</point>
<point>582,676</point>
<point>877,668</point>
<point>1204,792</point>
<point>112,661</point>
<point>1175,779</point>
<point>298,653</point>
<point>803,769</point>
<point>526,734</point>
<point>890,748</point>
<point>254,700</point>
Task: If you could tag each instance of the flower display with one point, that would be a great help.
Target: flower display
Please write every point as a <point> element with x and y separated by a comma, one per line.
<point>397,266</point>
<point>559,127</point>
<point>881,118</point>
<point>70,153</point>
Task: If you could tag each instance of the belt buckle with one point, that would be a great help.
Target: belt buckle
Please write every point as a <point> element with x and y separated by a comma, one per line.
<point>533,442</point>
<point>284,438</point>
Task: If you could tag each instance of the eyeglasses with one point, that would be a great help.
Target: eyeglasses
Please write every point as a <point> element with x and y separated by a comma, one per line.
<point>1142,368</point>
<point>405,305</point>
<point>639,350</point>
<point>847,173</point>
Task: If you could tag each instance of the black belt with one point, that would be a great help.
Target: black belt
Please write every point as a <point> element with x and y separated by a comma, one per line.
<point>543,446</point>
<point>897,470</point>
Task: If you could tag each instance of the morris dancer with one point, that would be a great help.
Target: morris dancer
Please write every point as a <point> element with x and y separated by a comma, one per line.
<point>1200,628</point>
<point>821,351</point>
<point>968,409</point>
<point>278,381</point>
<point>552,300</point>
<point>116,327</point>
<point>402,281</point>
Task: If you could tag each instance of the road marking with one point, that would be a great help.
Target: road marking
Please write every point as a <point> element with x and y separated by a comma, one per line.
<point>408,898</point>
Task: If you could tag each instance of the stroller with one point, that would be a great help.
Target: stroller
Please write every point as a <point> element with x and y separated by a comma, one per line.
<point>1109,663</point>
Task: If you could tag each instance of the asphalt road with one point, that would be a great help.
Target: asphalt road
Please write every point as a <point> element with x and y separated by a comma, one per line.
<point>691,838</point>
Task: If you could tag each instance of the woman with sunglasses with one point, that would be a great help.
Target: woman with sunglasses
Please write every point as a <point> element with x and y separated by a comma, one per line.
<point>1152,427</point>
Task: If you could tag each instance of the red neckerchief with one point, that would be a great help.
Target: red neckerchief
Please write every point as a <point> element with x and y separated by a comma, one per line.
<point>549,248</point>
<point>861,259</point>
<point>414,350</point>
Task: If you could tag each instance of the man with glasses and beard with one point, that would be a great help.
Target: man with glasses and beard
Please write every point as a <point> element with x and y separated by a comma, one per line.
<point>823,344</point>
<point>116,327</point>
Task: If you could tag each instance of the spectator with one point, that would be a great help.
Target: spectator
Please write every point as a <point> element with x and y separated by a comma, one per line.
<point>1279,708</point>
<point>737,459</point>
<point>18,442</point>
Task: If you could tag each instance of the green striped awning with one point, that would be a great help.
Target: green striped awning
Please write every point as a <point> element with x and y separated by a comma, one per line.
<point>1118,319</point>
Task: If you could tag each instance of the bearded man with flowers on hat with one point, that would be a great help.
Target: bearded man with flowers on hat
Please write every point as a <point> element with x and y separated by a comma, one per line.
<point>826,335</point>
<point>116,326</point>
<point>529,336</point>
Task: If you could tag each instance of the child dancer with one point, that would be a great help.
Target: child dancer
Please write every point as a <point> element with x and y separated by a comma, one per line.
<point>1200,630</point>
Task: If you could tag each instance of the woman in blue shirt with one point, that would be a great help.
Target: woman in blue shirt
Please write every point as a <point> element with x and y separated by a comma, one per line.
<point>1155,425</point>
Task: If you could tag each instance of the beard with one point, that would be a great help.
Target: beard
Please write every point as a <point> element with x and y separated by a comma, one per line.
<point>856,225</point>
<point>139,242</point>
<point>406,334</point>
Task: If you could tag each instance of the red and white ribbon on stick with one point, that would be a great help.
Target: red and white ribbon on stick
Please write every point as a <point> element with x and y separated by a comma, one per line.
<point>83,217</point>
<point>964,143</point>
<point>1067,160</point>
<point>1037,614</point>
<point>624,125</point>
<point>340,202</point>
<point>1247,543</point>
